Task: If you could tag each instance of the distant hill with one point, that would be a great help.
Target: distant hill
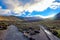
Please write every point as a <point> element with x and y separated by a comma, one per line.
<point>9,18</point>
<point>57,17</point>
<point>18,18</point>
<point>31,18</point>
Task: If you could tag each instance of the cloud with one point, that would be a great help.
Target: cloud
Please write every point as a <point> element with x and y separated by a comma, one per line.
<point>33,5</point>
<point>0,7</point>
<point>4,11</point>
<point>40,6</point>
<point>14,5</point>
<point>7,12</point>
<point>19,7</point>
<point>55,5</point>
<point>49,16</point>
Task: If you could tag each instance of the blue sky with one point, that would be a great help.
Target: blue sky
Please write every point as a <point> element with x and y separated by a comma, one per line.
<point>29,8</point>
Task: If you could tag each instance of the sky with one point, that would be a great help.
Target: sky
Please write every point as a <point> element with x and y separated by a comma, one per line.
<point>30,8</point>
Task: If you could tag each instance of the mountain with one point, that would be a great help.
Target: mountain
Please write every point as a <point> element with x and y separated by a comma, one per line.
<point>57,17</point>
<point>31,18</point>
<point>9,18</point>
<point>18,18</point>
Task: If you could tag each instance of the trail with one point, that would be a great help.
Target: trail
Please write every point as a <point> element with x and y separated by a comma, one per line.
<point>12,33</point>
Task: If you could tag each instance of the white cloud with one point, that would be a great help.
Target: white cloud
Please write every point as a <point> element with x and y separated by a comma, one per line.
<point>55,5</point>
<point>0,7</point>
<point>14,5</point>
<point>4,11</point>
<point>8,12</point>
<point>19,7</point>
<point>34,5</point>
<point>40,6</point>
<point>49,16</point>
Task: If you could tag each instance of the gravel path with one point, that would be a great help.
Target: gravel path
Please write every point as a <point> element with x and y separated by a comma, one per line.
<point>11,33</point>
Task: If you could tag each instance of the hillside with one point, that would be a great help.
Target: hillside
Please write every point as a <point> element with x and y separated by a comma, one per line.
<point>9,18</point>
<point>31,19</point>
<point>57,16</point>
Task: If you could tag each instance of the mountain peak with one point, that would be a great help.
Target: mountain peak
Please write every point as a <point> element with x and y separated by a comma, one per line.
<point>58,16</point>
